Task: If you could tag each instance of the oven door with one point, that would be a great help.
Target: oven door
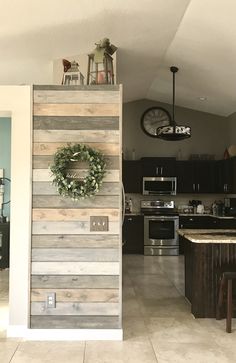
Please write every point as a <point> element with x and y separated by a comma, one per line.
<point>161,230</point>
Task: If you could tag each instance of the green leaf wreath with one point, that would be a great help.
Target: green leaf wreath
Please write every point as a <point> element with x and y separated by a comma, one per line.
<point>67,185</point>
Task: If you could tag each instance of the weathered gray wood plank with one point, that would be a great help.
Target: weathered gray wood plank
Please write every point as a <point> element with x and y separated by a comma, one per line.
<point>75,268</point>
<point>74,282</point>
<point>75,241</point>
<point>39,308</point>
<point>70,227</point>
<point>99,87</point>
<point>75,254</point>
<point>46,174</point>
<point>71,96</point>
<point>52,214</point>
<point>47,188</point>
<point>77,295</point>
<point>78,136</point>
<point>57,201</point>
<point>74,109</point>
<point>75,123</point>
<point>49,148</point>
<point>74,322</point>
<point>44,161</point>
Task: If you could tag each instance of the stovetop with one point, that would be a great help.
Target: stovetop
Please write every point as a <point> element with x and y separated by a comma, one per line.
<point>158,207</point>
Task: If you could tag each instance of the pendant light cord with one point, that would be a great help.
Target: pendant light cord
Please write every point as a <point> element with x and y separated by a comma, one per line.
<point>173,70</point>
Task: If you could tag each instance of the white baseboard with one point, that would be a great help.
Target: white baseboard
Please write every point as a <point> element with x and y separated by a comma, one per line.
<point>64,334</point>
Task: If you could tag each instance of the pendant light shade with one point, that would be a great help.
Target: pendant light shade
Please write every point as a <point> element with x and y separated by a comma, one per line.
<point>173,132</point>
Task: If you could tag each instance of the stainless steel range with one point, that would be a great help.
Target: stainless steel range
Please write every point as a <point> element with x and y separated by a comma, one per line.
<point>161,222</point>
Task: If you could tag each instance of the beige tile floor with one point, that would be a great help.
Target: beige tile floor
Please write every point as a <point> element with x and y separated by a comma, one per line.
<point>158,326</point>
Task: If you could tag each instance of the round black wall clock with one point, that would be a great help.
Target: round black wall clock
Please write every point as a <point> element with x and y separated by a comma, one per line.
<point>153,118</point>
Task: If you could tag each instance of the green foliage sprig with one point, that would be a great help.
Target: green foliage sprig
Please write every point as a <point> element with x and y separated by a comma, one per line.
<point>67,184</point>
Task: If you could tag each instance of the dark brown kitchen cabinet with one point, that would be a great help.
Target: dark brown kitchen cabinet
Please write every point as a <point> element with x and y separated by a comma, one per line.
<point>195,176</point>
<point>226,176</point>
<point>158,166</point>
<point>4,244</point>
<point>131,176</point>
<point>133,234</point>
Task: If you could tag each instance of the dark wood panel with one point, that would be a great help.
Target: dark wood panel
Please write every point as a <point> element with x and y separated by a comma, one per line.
<point>75,240</point>
<point>74,322</point>
<point>57,201</point>
<point>75,123</point>
<point>204,263</point>
<point>74,281</point>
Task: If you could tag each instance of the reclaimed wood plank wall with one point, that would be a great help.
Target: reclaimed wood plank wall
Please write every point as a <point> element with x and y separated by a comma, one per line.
<point>81,267</point>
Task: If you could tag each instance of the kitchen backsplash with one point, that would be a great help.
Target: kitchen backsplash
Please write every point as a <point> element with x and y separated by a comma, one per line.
<point>180,200</point>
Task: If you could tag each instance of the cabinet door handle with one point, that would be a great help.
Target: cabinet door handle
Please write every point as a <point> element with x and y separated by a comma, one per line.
<point>157,170</point>
<point>161,170</point>
<point>130,219</point>
<point>194,187</point>
<point>198,187</point>
<point>226,187</point>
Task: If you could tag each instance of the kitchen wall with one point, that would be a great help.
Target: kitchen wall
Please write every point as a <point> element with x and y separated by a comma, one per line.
<point>210,133</point>
<point>82,267</point>
<point>5,158</point>
<point>232,129</point>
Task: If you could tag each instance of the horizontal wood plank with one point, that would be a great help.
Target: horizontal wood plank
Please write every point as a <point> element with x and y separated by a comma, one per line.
<point>46,174</point>
<point>49,201</point>
<point>75,123</point>
<point>75,241</point>
<point>66,308</point>
<point>72,96</point>
<point>44,162</point>
<point>75,254</point>
<point>78,136</point>
<point>74,282</point>
<point>73,109</point>
<point>96,87</point>
<point>74,322</point>
<point>77,295</point>
<point>47,188</point>
<point>75,268</point>
<point>71,227</point>
<point>49,148</point>
<point>51,214</point>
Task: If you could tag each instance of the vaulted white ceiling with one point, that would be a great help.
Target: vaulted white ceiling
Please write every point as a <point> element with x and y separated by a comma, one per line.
<point>198,36</point>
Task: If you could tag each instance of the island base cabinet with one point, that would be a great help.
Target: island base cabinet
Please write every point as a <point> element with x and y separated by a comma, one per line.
<point>204,264</point>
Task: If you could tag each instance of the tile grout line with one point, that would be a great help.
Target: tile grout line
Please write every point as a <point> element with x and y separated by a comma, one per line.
<point>14,352</point>
<point>84,351</point>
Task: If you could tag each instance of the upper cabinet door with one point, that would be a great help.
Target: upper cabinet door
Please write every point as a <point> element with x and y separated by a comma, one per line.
<point>131,176</point>
<point>195,176</point>
<point>158,166</point>
<point>185,180</point>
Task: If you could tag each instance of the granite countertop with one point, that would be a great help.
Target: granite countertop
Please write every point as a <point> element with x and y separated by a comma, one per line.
<point>209,235</point>
<point>205,214</point>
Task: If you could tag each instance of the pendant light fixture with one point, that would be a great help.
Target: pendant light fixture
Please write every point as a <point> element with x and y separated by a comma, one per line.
<point>173,132</point>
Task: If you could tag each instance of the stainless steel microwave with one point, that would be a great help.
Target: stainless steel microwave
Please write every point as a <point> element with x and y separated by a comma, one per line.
<point>159,185</point>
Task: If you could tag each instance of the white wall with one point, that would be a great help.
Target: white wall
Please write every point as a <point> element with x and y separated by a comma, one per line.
<point>209,132</point>
<point>17,101</point>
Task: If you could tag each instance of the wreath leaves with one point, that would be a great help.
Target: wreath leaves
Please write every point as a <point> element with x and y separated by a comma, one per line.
<point>68,186</point>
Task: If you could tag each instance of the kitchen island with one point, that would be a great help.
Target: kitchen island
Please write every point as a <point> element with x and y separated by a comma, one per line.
<point>207,254</point>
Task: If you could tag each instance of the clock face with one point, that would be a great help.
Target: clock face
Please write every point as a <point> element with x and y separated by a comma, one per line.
<point>153,118</point>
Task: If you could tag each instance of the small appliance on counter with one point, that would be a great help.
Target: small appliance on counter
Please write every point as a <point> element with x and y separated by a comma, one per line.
<point>195,204</point>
